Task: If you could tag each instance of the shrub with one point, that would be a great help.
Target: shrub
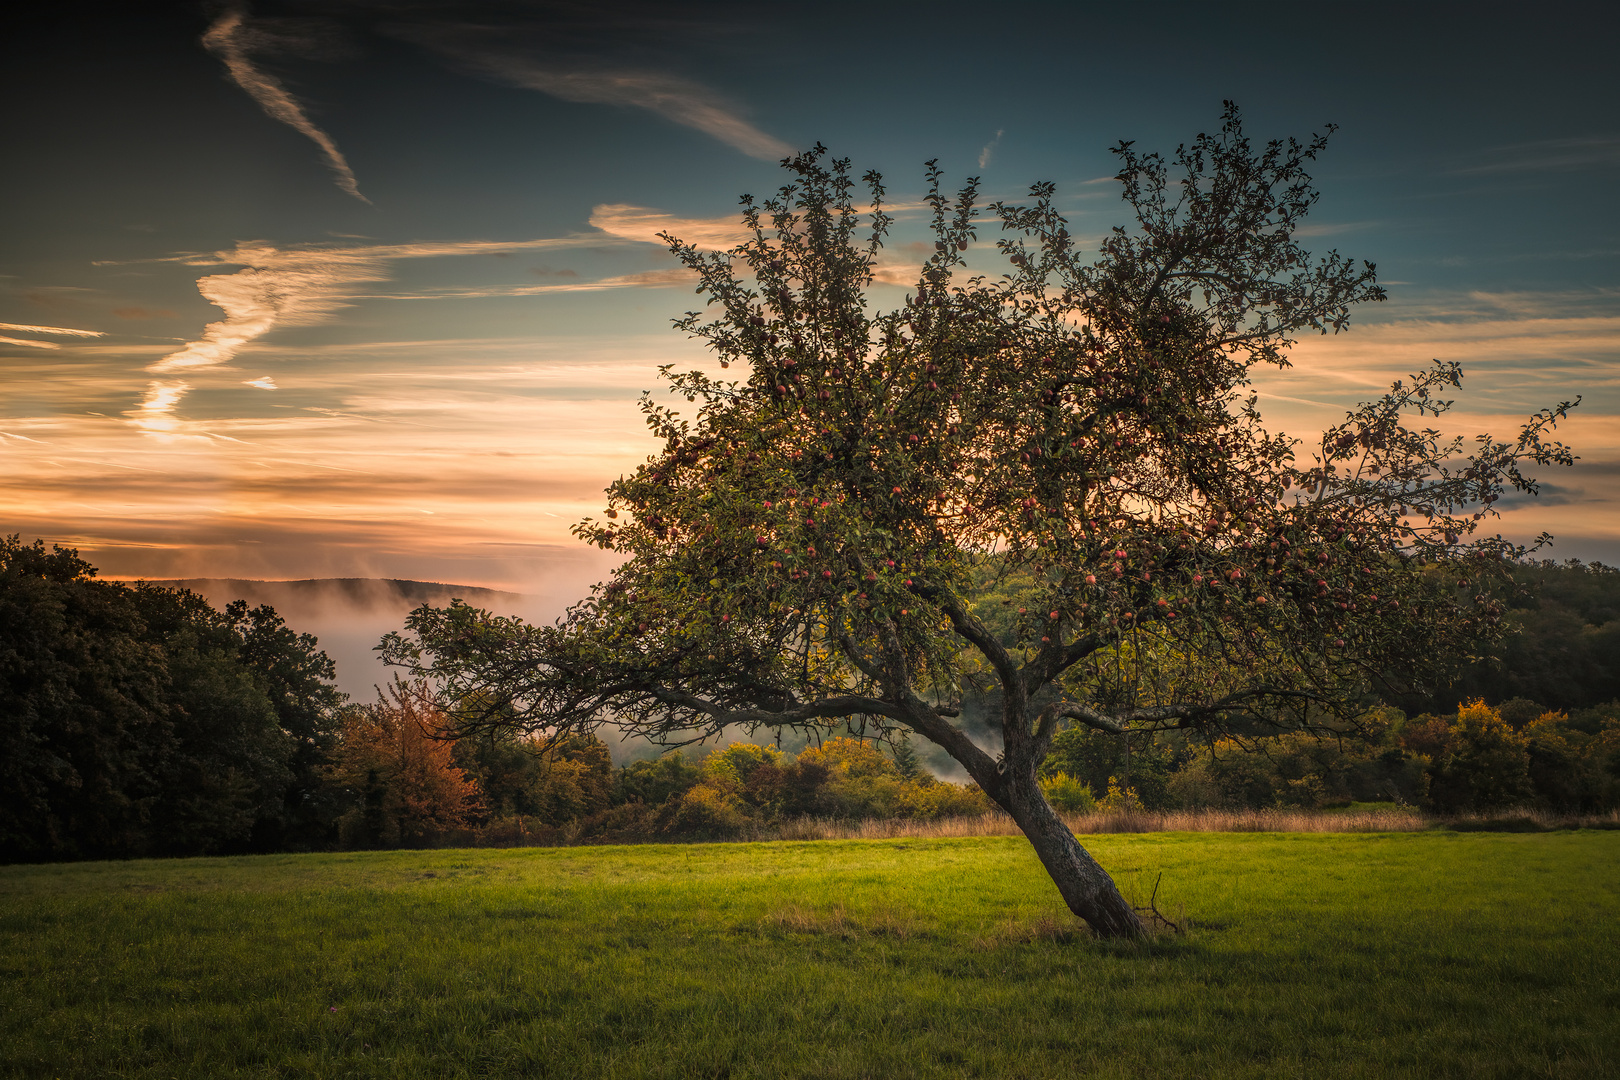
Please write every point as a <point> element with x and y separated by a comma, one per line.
<point>712,808</point>
<point>928,799</point>
<point>1303,771</point>
<point>1570,768</point>
<point>652,782</point>
<point>1067,794</point>
<point>739,761</point>
<point>1486,766</point>
<point>1096,757</point>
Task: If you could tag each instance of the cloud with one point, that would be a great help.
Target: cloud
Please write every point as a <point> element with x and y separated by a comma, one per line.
<point>989,150</point>
<point>229,40</point>
<point>1513,366</point>
<point>57,297</point>
<point>675,98</point>
<point>31,344</point>
<point>904,275</point>
<point>277,288</point>
<point>306,286</point>
<point>650,279</point>
<point>301,287</point>
<point>156,411</point>
<point>59,331</point>
<point>263,383</point>
<point>1550,155</point>
<point>1322,228</point>
<point>643,224</point>
<point>507,442</point>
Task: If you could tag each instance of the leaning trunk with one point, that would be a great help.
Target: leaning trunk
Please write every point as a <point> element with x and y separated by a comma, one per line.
<point>1084,885</point>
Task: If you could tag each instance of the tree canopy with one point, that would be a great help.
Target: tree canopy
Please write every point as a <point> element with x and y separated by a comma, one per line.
<point>137,720</point>
<point>813,547</point>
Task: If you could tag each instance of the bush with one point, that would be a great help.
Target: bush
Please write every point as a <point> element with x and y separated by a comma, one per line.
<point>1486,764</point>
<point>743,784</point>
<point>1304,771</point>
<point>1572,768</point>
<point>713,807</point>
<point>653,781</point>
<point>1097,758</point>
<point>1067,794</point>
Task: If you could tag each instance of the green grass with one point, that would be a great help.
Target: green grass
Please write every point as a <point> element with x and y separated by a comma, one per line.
<point>1312,955</point>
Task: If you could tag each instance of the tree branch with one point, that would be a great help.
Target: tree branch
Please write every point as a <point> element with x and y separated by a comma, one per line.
<point>1156,718</point>
<point>826,708</point>
<point>968,626</point>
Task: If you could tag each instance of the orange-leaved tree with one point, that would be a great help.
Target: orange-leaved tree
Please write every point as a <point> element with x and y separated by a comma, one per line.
<point>404,780</point>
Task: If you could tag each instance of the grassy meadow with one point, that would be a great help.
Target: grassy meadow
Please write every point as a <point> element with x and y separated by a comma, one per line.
<point>1440,953</point>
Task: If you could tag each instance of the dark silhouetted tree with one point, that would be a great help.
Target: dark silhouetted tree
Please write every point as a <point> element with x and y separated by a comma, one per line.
<point>136,720</point>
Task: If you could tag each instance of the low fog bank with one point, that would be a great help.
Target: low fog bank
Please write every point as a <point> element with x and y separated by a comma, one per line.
<point>350,615</point>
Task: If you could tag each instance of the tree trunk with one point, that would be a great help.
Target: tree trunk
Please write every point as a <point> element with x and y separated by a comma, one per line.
<point>1084,885</point>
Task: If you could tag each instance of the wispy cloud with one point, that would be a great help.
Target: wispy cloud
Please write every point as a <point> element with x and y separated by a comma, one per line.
<point>989,150</point>
<point>277,288</point>
<point>676,98</point>
<point>156,411</point>
<point>31,344</point>
<point>58,331</point>
<point>643,224</point>
<point>303,286</point>
<point>453,248</point>
<point>651,279</point>
<point>1326,228</point>
<point>307,286</point>
<point>1550,155</point>
<point>903,274</point>
<point>263,383</point>
<point>227,40</point>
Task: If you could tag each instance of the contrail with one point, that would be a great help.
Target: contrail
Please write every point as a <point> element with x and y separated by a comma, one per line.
<point>64,331</point>
<point>670,96</point>
<point>223,39</point>
<point>677,99</point>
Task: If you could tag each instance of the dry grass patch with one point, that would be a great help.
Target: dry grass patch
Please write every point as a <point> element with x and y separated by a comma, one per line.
<point>1207,820</point>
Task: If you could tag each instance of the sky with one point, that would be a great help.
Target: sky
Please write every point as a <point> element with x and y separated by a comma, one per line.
<point>372,288</point>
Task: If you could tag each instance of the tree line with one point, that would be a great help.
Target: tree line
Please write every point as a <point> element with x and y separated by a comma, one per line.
<point>141,721</point>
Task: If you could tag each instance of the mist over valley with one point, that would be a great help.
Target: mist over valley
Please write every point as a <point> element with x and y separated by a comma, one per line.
<point>350,615</point>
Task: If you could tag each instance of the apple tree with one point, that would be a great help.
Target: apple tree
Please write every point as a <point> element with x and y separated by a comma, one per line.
<point>805,551</point>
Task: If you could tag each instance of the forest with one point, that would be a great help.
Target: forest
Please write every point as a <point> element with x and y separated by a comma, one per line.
<point>140,721</point>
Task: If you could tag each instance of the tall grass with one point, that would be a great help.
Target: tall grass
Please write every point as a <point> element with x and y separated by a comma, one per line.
<point>1377,819</point>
